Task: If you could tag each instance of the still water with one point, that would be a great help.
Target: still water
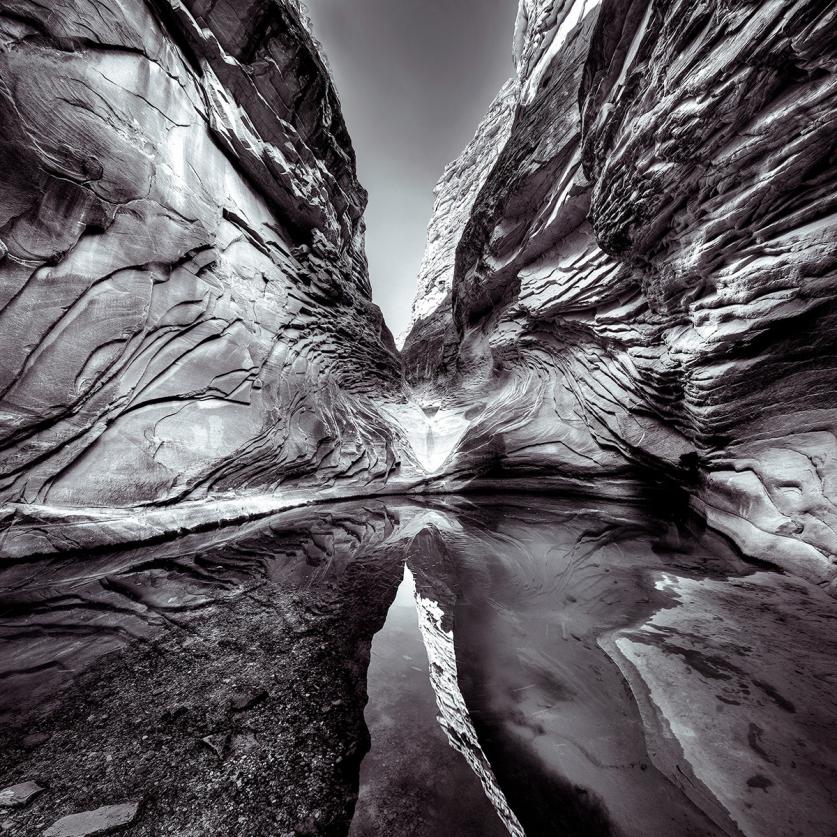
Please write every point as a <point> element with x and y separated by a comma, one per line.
<point>486,665</point>
<point>413,757</point>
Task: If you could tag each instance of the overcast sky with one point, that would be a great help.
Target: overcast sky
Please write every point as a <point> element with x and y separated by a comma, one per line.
<point>415,77</point>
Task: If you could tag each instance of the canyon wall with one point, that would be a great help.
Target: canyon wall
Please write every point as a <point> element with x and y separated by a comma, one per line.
<point>185,303</point>
<point>430,342</point>
<point>643,287</point>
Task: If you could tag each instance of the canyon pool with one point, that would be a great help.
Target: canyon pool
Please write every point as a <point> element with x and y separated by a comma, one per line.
<point>449,665</point>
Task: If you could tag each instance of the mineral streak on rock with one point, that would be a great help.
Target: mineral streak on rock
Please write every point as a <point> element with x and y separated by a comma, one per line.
<point>185,304</point>
<point>644,284</point>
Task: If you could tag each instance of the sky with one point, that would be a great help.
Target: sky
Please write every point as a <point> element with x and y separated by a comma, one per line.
<point>415,77</point>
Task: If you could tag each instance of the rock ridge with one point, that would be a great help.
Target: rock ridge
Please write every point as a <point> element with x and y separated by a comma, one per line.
<point>186,309</point>
<point>644,285</point>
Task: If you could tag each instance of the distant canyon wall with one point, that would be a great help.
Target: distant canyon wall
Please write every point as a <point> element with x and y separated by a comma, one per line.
<point>641,284</point>
<point>185,303</point>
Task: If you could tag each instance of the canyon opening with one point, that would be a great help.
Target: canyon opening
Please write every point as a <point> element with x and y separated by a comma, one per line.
<point>546,548</point>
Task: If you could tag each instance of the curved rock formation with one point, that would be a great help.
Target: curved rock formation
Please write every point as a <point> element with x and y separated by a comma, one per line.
<point>645,283</point>
<point>430,342</point>
<point>185,303</point>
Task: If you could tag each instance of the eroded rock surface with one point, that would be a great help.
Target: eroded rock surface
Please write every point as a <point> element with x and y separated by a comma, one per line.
<point>185,303</point>
<point>431,338</point>
<point>104,820</point>
<point>645,282</point>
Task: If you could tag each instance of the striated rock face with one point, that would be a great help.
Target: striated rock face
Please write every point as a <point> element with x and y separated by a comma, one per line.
<point>185,304</point>
<point>430,343</point>
<point>645,282</point>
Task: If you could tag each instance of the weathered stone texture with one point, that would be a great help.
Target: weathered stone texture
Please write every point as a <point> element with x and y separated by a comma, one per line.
<point>185,303</point>
<point>430,342</point>
<point>645,285</point>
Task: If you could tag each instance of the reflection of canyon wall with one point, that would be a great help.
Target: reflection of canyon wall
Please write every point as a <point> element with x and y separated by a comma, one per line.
<point>107,599</point>
<point>526,604</point>
<point>645,281</point>
<point>240,653</point>
<point>185,303</point>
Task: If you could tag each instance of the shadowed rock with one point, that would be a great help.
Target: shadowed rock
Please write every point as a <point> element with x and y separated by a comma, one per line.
<point>185,307</point>
<point>643,279</point>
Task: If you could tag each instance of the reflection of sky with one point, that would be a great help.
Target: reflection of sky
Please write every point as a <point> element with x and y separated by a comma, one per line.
<point>415,775</point>
<point>415,77</point>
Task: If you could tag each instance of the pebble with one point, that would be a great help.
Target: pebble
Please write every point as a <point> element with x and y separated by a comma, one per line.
<point>34,740</point>
<point>219,744</point>
<point>306,828</point>
<point>241,701</point>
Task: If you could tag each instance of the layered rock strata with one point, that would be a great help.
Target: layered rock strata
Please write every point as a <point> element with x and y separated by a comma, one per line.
<point>644,285</point>
<point>185,303</point>
<point>430,343</point>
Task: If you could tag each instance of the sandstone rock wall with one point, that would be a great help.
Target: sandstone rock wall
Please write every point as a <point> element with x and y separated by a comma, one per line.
<point>430,342</point>
<point>185,303</point>
<point>645,283</point>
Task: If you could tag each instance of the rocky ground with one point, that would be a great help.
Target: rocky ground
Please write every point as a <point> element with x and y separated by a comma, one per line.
<point>240,721</point>
<point>243,715</point>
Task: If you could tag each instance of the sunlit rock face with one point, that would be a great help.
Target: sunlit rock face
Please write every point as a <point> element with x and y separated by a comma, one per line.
<point>185,301</point>
<point>430,345</point>
<point>645,282</point>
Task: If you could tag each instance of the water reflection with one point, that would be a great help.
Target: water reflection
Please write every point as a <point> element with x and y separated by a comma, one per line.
<point>411,759</point>
<point>524,665</point>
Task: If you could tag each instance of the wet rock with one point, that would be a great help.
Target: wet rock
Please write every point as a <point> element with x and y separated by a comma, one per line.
<point>105,820</point>
<point>17,796</point>
<point>748,653</point>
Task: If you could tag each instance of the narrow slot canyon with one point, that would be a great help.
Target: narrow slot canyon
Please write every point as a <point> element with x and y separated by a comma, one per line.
<point>558,558</point>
